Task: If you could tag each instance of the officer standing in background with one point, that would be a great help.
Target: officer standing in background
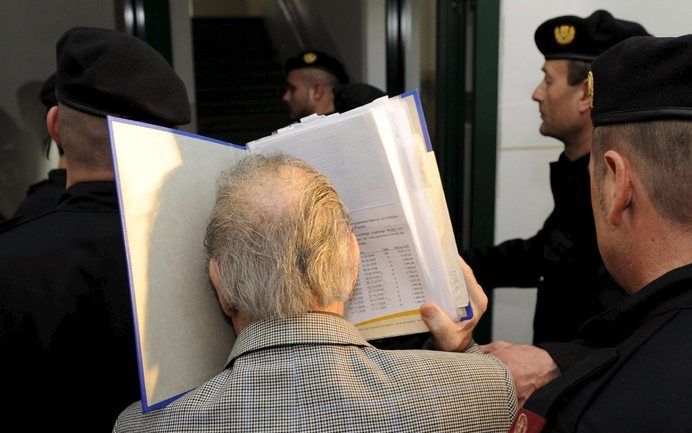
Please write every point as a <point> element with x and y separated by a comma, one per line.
<point>66,330</point>
<point>44,195</point>
<point>636,377</point>
<point>310,80</point>
<point>562,259</point>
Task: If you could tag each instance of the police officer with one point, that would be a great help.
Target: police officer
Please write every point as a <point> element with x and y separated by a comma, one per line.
<point>44,195</point>
<point>310,79</point>
<point>562,259</point>
<point>637,376</point>
<point>66,333</point>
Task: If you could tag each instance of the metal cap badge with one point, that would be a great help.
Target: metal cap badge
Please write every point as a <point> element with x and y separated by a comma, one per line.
<point>564,34</point>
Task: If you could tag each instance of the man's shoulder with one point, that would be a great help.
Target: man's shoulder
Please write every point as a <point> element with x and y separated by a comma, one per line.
<point>57,227</point>
<point>189,411</point>
<point>20,234</point>
<point>344,388</point>
<point>654,374</point>
<point>665,344</point>
<point>442,368</point>
<point>431,361</point>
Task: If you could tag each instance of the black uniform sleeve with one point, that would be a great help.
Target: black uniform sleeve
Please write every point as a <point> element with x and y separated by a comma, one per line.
<point>566,353</point>
<point>513,263</point>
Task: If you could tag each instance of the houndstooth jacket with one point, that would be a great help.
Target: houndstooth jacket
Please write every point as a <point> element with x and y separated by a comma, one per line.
<point>315,373</point>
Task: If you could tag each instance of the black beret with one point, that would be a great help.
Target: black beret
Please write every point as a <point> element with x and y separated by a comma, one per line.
<point>350,96</point>
<point>641,79</point>
<point>575,38</point>
<point>320,60</point>
<point>48,92</point>
<point>105,72</point>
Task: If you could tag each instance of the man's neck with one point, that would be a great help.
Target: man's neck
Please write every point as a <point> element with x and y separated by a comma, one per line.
<point>75,176</point>
<point>335,308</point>
<point>241,321</point>
<point>578,146</point>
<point>325,107</point>
<point>656,253</point>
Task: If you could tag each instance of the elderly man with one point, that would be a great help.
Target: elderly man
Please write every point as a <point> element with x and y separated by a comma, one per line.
<point>634,370</point>
<point>310,80</point>
<point>562,259</point>
<point>283,261</point>
<point>66,335</point>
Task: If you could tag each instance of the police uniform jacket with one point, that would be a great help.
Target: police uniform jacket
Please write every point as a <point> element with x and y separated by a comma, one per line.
<point>43,196</point>
<point>66,333</point>
<point>637,377</point>
<point>315,373</point>
<point>562,259</point>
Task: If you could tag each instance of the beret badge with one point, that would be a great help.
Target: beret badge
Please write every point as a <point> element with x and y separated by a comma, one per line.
<point>309,57</point>
<point>589,80</point>
<point>564,34</point>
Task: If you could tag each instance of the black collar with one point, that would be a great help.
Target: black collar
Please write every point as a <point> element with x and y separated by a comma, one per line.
<point>672,290</point>
<point>89,195</point>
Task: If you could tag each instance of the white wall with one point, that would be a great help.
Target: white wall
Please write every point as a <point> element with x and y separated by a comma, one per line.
<point>374,44</point>
<point>523,189</point>
<point>29,30</point>
<point>342,21</point>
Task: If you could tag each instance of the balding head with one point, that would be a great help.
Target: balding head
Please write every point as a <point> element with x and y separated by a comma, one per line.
<point>281,239</point>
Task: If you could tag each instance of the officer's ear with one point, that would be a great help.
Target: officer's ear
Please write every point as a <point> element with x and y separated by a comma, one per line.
<point>584,104</point>
<point>617,186</point>
<point>318,90</point>
<point>52,124</point>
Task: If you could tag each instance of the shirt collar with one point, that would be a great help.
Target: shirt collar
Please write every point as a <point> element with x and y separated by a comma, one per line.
<point>57,177</point>
<point>671,290</point>
<point>308,328</point>
<point>564,163</point>
<point>85,195</point>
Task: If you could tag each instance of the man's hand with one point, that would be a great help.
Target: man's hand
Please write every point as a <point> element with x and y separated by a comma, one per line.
<point>453,336</point>
<point>531,366</point>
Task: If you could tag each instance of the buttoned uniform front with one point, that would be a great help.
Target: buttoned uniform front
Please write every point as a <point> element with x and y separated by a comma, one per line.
<point>315,372</point>
<point>66,333</point>
<point>561,260</point>
<point>637,376</point>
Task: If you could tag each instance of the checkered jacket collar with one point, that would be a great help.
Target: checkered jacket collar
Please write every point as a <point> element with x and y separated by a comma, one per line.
<point>309,328</point>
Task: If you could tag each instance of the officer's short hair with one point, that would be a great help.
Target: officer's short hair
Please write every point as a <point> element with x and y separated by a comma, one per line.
<point>641,105</point>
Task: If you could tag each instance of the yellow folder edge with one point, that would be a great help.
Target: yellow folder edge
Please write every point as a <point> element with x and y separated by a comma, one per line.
<point>391,316</point>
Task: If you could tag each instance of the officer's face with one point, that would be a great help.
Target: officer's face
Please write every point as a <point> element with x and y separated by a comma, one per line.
<point>297,95</point>
<point>558,102</point>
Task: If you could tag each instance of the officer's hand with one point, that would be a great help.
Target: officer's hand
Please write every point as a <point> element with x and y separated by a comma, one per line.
<point>453,336</point>
<point>531,366</point>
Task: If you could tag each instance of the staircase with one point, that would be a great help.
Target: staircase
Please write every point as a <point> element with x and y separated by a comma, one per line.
<point>238,79</point>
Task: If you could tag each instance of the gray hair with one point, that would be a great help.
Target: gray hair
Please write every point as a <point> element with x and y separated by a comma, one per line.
<point>661,151</point>
<point>280,236</point>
